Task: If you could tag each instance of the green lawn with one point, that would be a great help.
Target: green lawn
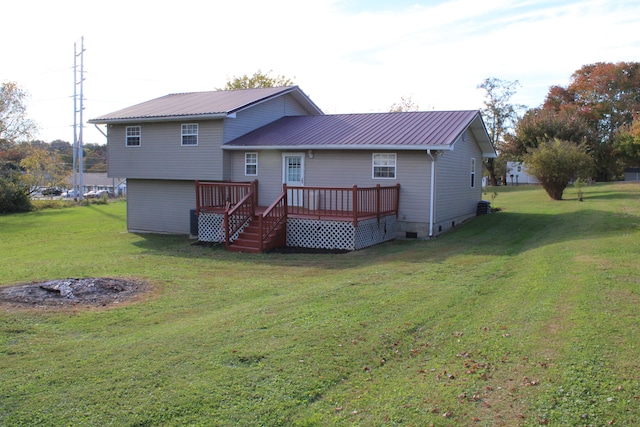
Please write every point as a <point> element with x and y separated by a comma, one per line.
<point>524,317</point>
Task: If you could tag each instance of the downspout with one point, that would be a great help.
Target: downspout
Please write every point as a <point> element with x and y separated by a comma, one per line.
<point>431,193</point>
<point>96,126</point>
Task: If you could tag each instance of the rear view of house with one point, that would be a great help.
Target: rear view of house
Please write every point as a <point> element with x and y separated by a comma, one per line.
<point>270,156</point>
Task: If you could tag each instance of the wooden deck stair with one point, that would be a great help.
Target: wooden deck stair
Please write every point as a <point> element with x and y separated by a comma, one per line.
<point>249,239</point>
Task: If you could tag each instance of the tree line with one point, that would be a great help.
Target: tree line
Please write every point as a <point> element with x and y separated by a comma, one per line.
<point>588,129</point>
<point>28,165</point>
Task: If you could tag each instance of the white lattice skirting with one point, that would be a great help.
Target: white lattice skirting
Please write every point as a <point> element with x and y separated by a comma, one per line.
<point>313,233</point>
<point>210,228</point>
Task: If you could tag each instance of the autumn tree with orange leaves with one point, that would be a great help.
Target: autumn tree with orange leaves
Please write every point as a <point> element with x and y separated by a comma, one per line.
<point>600,100</point>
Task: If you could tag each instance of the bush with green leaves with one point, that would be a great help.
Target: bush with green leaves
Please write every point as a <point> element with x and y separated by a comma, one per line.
<point>13,197</point>
<point>556,163</point>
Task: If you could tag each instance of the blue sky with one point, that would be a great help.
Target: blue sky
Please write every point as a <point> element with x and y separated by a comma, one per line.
<point>349,56</point>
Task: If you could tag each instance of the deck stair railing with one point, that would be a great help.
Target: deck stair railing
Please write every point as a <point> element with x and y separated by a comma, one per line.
<point>271,218</point>
<point>236,217</point>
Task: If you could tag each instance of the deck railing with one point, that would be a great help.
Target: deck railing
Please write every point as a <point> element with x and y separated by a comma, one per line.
<point>343,203</point>
<point>235,217</point>
<point>215,196</point>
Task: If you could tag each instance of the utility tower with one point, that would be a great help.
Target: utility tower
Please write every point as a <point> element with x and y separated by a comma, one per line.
<point>78,123</point>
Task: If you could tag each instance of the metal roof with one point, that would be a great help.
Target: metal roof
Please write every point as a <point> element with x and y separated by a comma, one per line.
<point>202,105</point>
<point>436,130</point>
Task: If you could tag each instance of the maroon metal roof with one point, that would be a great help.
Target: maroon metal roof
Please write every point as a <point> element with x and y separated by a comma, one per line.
<point>201,104</point>
<point>409,130</point>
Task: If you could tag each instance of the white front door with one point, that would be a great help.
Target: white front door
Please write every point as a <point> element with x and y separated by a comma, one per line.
<point>293,175</point>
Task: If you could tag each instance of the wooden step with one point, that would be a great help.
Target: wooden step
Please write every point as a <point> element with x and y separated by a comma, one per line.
<point>249,239</point>
<point>246,249</point>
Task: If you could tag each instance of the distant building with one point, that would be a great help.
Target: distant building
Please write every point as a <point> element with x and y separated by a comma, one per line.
<point>517,174</point>
<point>100,181</point>
<point>632,174</point>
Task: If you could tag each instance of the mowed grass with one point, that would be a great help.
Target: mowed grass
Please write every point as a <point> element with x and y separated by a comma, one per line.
<point>525,317</point>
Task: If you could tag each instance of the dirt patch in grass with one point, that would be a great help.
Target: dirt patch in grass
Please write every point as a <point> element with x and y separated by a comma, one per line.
<point>73,293</point>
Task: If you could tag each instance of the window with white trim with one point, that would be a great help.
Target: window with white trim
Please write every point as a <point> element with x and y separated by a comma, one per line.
<point>473,173</point>
<point>134,136</point>
<point>251,164</point>
<point>384,165</point>
<point>190,134</point>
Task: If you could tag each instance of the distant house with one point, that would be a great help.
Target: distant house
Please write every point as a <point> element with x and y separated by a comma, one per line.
<point>100,181</point>
<point>260,168</point>
<point>517,174</point>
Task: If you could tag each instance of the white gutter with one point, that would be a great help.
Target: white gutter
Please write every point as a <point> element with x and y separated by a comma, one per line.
<point>431,194</point>
<point>127,120</point>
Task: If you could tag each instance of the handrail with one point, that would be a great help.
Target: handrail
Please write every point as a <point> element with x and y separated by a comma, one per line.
<point>212,195</point>
<point>272,217</point>
<point>232,222</point>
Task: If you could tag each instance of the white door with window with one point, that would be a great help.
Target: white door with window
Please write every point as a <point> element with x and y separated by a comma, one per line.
<point>293,175</point>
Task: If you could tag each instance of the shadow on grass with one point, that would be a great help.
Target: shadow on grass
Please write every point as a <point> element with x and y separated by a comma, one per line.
<point>608,195</point>
<point>500,234</point>
<point>96,208</point>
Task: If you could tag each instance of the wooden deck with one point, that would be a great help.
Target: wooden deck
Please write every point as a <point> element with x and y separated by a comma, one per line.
<point>238,203</point>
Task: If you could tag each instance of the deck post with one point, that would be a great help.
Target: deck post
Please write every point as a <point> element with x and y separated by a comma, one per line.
<point>197,197</point>
<point>378,201</point>
<point>261,228</point>
<point>225,224</point>
<point>355,205</point>
<point>397,199</point>
<point>255,192</point>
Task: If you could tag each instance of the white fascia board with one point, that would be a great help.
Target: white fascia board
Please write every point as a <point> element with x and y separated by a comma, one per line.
<point>192,117</point>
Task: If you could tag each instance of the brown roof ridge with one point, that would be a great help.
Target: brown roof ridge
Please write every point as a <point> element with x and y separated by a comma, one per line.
<point>229,90</point>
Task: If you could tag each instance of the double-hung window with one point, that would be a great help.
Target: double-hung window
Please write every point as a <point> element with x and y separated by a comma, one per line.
<point>190,134</point>
<point>384,165</point>
<point>251,164</point>
<point>473,173</point>
<point>134,136</point>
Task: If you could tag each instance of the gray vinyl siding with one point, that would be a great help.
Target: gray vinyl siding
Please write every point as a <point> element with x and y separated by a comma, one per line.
<point>159,206</point>
<point>455,199</point>
<point>262,114</point>
<point>161,154</point>
<point>345,169</point>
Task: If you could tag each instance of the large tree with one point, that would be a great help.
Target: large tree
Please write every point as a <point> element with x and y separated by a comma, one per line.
<point>257,80</point>
<point>606,96</point>
<point>43,168</point>
<point>14,125</point>
<point>499,115</point>
<point>539,125</point>
<point>555,163</point>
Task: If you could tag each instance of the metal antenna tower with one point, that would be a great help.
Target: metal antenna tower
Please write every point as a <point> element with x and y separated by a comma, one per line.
<point>78,123</point>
